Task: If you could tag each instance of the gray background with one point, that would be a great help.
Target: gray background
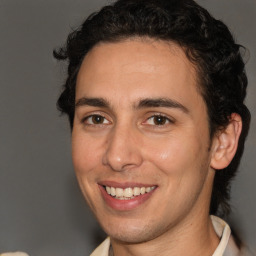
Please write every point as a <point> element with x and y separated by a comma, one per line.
<point>41,209</point>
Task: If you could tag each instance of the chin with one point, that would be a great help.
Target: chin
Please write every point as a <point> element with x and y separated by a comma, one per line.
<point>131,233</point>
<point>131,237</point>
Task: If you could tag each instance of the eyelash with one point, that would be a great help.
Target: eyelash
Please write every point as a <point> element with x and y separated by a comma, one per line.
<point>166,120</point>
<point>85,120</point>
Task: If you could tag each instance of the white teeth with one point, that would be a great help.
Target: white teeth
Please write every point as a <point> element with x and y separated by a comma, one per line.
<point>108,190</point>
<point>119,192</point>
<point>136,191</point>
<point>128,193</point>
<point>113,191</point>
<point>148,189</point>
<point>142,190</point>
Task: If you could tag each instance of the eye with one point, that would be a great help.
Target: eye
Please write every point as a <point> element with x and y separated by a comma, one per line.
<point>95,120</point>
<point>158,120</point>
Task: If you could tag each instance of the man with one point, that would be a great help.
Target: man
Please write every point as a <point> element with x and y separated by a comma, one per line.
<point>154,95</point>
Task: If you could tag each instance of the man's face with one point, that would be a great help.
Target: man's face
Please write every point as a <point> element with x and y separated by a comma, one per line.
<point>141,133</point>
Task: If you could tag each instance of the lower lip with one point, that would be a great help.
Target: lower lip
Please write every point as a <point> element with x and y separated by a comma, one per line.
<point>124,205</point>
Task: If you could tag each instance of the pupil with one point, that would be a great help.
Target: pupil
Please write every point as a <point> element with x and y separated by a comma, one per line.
<point>159,120</point>
<point>97,119</point>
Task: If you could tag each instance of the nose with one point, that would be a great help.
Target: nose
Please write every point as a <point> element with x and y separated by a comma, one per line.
<point>123,150</point>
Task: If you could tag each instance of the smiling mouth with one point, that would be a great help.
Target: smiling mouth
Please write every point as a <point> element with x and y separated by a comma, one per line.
<point>127,193</point>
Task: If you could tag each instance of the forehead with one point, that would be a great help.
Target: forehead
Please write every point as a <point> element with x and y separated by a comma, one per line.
<point>137,68</point>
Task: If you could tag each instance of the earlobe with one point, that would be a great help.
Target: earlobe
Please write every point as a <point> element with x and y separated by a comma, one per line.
<point>225,143</point>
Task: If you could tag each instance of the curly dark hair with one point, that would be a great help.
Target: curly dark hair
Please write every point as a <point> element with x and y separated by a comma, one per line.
<point>207,43</point>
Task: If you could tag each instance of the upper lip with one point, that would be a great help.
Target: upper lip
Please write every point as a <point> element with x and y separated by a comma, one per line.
<point>124,184</point>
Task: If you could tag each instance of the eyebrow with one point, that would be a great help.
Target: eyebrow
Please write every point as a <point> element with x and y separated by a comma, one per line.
<point>161,102</point>
<point>94,102</point>
<point>143,103</point>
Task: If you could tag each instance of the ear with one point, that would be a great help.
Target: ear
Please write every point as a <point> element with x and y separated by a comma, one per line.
<point>225,143</point>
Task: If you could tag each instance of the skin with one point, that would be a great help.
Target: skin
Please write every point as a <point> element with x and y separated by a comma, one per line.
<point>121,141</point>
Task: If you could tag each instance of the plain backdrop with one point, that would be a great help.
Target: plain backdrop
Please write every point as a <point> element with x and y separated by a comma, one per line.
<point>41,209</point>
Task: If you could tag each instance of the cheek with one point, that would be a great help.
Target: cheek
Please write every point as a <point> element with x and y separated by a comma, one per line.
<point>183,160</point>
<point>173,153</point>
<point>85,154</point>
<point>85,158</point>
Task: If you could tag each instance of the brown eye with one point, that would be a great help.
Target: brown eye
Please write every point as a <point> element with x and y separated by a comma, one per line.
<point>95,120</point>
<point>159,120</point>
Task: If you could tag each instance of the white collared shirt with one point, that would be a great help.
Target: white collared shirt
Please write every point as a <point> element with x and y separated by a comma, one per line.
<point>226,247</point>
